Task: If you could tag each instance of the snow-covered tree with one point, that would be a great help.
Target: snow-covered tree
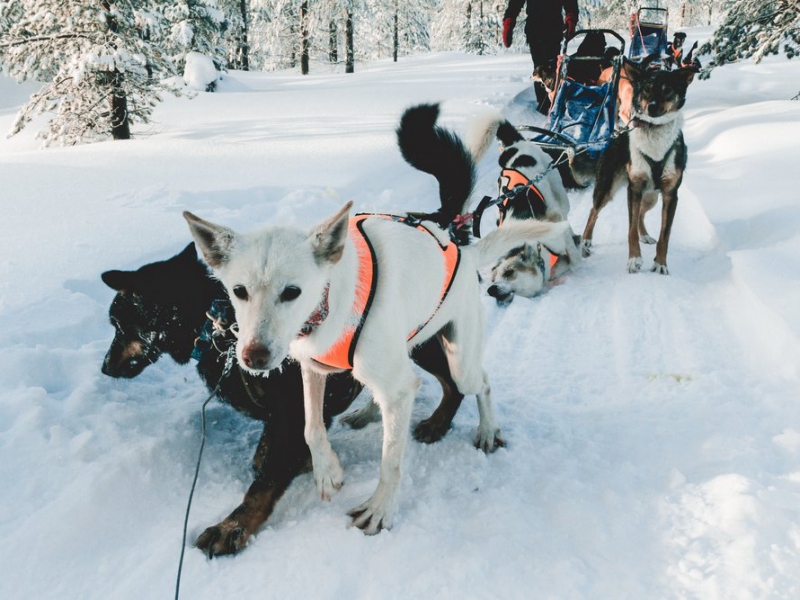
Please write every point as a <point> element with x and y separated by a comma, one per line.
<point>100,74</point>
<point>237,34</point>
<point>193,26</point>
<point>485,26</point>
<point>391,28</point>
<point>608,14</point>
<point>274,33</point>
<point>755,29</point>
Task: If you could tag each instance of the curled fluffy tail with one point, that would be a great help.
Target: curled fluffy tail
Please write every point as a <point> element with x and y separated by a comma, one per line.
<point>441,153</point>
<point>557,237</point>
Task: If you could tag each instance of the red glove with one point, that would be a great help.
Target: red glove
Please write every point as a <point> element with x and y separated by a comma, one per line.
<point>508,31</point>
<point>570,23</point>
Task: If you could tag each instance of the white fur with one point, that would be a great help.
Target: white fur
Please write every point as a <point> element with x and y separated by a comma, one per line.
<point>655,142</point>
<point>411,272</point>
<point>481,132</point>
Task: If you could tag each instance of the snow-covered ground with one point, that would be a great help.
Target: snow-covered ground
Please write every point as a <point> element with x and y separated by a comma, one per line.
<point>653,423</point>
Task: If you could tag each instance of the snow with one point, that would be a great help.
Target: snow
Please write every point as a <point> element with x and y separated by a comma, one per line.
<point>199,73</point>
<point>653,422</point>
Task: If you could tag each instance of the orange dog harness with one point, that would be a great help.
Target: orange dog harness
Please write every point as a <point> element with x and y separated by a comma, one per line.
<point>509,179</point>
<point>340,354</point>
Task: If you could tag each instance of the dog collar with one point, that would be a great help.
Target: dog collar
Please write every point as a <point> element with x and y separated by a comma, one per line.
<point>318,316</point>
<point>641,123</point>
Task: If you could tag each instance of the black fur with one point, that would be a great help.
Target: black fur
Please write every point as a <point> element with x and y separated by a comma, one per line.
<point>523,160</point>
<point>439,152</point>
<point>506,155</point>
<point>161,308</point>
<point>508,134</point>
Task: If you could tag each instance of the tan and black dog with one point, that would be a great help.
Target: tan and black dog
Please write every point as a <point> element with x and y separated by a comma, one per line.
<point>651,159</point>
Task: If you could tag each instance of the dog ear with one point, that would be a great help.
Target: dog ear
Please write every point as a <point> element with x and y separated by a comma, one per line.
<point>214,241</point>
<point>188,254</point>
<point>527,253</point>
<point>635,71</point>
<point>686,74</point>
<point>508,134</point>
<point>328,238</point>
<point>119,280</point>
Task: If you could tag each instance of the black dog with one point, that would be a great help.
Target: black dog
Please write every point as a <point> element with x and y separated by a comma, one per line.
<point>161,309</point>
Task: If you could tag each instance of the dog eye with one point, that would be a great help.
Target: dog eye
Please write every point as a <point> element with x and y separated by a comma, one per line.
<point>289,293</point>
<point>240,292</point>
<point>509,274</point>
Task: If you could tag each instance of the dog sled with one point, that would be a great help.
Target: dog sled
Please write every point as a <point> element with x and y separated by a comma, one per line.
<point>648,31</point>
<point>583,115</point>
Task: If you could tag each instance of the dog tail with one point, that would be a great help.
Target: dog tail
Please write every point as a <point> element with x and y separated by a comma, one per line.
<point>482,132</point>
<point>557,237</point>
<point>441,153</point>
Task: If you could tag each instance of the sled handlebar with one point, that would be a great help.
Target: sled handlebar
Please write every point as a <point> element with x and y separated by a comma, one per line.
<point>605,32</point>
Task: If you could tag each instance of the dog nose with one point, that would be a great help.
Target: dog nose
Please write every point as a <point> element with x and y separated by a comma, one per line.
<point>255,357</point>
<point>493,291</point>
<point>653,109</point>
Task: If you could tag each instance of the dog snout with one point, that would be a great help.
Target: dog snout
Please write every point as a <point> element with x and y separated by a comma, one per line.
<point>502,297</point>
<point>255,356</point>
<point>654,109</point>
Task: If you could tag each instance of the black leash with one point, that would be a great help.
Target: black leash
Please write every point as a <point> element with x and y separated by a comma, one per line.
<point>229,356</point>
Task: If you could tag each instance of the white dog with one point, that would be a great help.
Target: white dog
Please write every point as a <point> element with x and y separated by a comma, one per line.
<point>304,295</point>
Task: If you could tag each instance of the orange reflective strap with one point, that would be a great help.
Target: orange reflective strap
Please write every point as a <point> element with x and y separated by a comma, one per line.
<point>340,354</point>
<point>452,257</point>
<point>509,179</point>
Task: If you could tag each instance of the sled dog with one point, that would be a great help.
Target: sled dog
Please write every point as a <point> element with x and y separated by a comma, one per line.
<point>651,158</point>
<point>314,296</point>
<point>524,270</point>
<point>166,308</point>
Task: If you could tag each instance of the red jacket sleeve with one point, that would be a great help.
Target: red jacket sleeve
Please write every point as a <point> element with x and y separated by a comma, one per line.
<point>571,8</point>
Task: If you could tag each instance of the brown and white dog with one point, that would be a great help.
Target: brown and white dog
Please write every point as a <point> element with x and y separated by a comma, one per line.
<point>651,159</point>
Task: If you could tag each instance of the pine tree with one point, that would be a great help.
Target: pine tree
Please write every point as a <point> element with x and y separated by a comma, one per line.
<point>100,73</point>
<point>194,26</point>
<point>236,26</point>
<point>755,29</point>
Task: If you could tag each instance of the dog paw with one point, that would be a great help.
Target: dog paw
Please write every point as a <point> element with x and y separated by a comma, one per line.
<point>328,475</point>
<point>646,239</point>
<point>358,419</point>
<point>634,264</point>
<point>586,248</point>
<point>431,430</point>
<point>489,440</point>
<point>372,516</point>
<point>659,268</point>
<point>227,537</point>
